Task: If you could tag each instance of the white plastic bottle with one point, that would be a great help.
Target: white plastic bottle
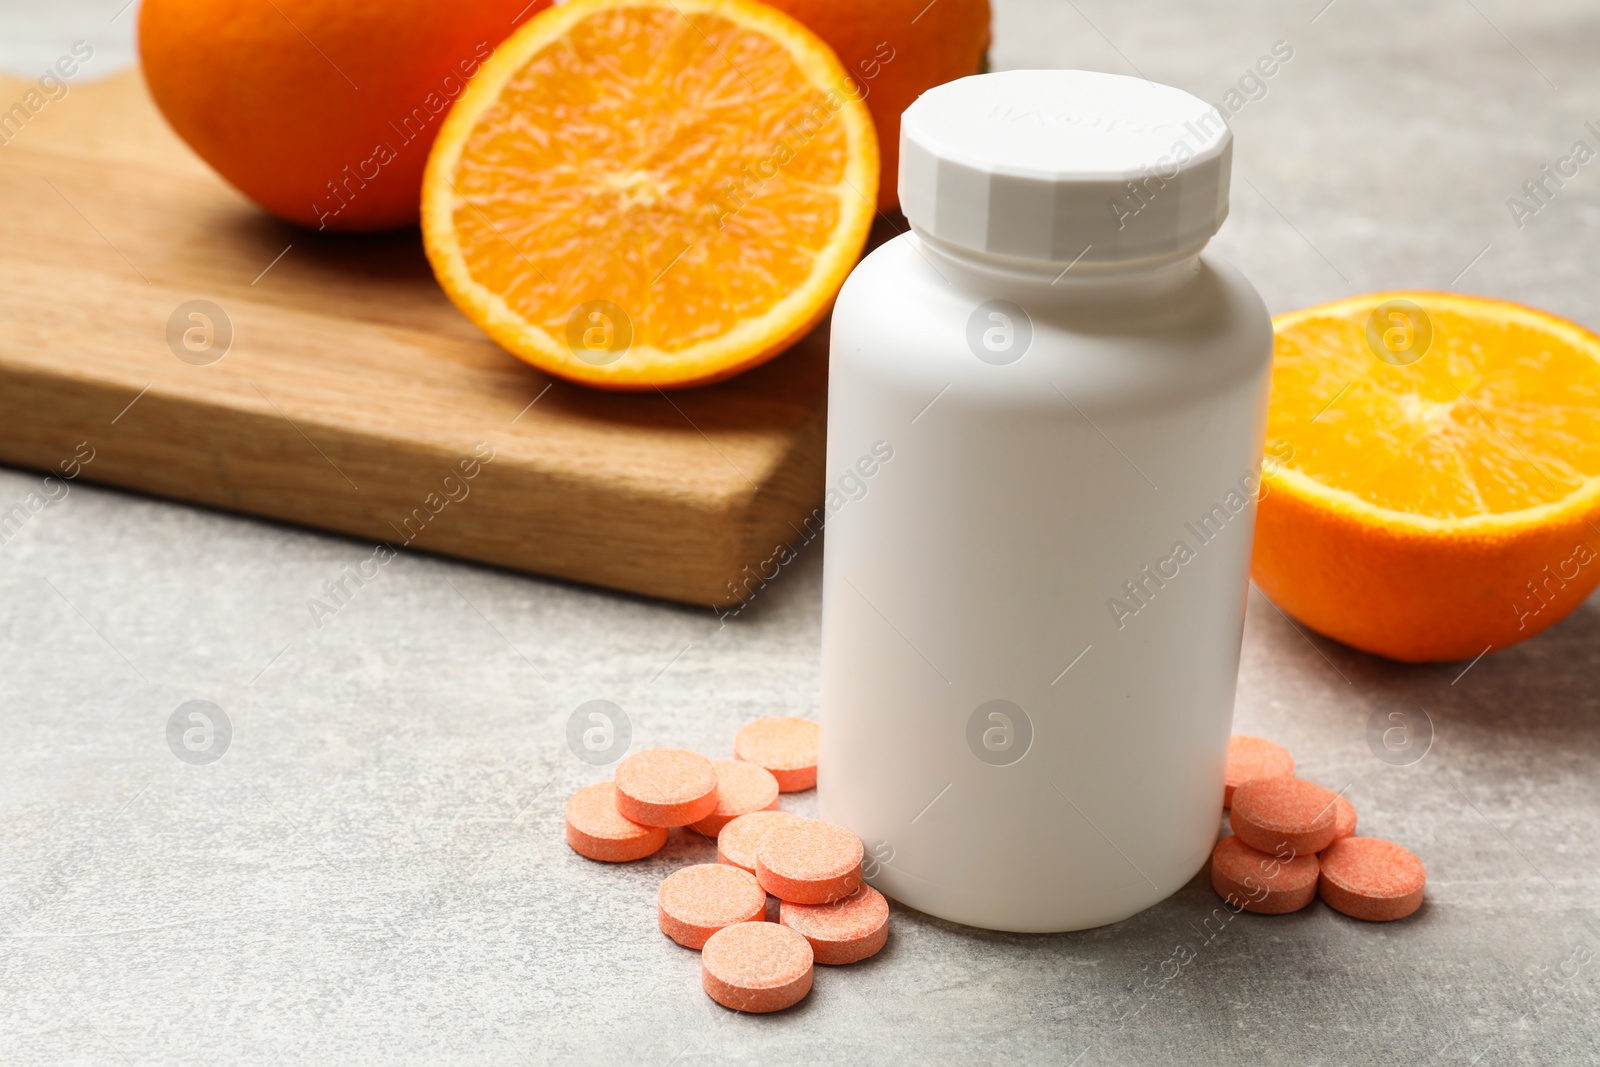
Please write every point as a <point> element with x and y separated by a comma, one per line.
<point>1045,426</point>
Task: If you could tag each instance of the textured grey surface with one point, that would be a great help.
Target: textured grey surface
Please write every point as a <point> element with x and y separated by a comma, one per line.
<point>375,871</point>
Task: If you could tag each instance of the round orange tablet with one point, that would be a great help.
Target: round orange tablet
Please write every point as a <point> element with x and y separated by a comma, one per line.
<point>741,788</point>
<point>756,967</point>
<point>846,930</point>
<point>697,901</point>
<point>737,842</point>
<point>784,745</point>
<point>1344,819</point>
<point>1253,757</point>
<point>1278,814</point>
<point>666,787</point>
<point>809,862</point>
<point>1369,878</point>
<point>596,829</point>
<point>1258,882</point>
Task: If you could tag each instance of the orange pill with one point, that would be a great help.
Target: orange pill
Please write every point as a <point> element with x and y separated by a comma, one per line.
<point>697,901</point>
<point>784,745</point>
<point>1262,883</point>
<point>741,788</point>
<point>809,862</point>
<point>1276,815</point>
<point>1253,757</point>
<point>756,967</point>
<point>1369,878</point>
<point>596,829</point>
<point>666,787</point>
<point>846,930</point>
<point>1344,819</point>
<point>737,842</point>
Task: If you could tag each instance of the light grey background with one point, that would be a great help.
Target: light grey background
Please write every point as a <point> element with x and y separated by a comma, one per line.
<point>375,870</point>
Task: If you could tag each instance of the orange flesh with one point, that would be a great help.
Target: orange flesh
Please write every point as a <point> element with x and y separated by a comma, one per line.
<point>1501,413</point>
<point>692,164</point>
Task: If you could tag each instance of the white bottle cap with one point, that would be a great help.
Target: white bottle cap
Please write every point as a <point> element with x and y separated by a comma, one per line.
<point>1066,166</point>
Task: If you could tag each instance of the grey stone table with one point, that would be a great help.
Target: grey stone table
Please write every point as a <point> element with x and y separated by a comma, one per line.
<point>375,869</point>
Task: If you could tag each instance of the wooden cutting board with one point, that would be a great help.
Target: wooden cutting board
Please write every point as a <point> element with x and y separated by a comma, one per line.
<point>352,392</point>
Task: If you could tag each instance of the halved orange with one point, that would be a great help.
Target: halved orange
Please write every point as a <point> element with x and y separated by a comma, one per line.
<point>651,193</point>
<point>1431,487</point>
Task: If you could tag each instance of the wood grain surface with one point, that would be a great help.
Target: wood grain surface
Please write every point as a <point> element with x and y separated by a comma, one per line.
<point>353,396</point>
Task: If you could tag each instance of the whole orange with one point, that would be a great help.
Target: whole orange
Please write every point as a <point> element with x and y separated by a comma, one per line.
<point>321,111</point>
<point>896,50</point>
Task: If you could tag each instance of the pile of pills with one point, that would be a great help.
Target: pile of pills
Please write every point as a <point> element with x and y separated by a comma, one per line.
<point>1293,841</point>
<point>825,913</point>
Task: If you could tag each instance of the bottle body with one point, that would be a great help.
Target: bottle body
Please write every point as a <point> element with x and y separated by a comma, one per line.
<point>1041,501</point>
